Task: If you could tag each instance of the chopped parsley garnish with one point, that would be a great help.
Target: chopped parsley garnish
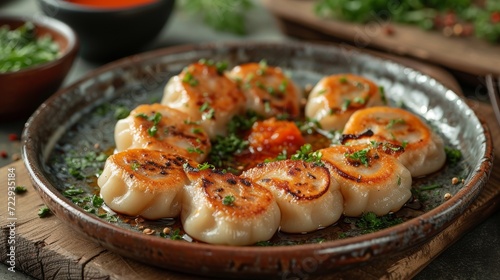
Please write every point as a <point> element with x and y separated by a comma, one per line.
<point>262,67</point>
<point>155,118</point>
<point>359,100</point>
<point>321,91</point>
<point>370,222</point>
<point>241,123</point>
<point>305,154</point>
<point>280,156</point>
<point>121,112</point>
<point>418,192</point>
<point>197,130</point>
<point>208,112</point>
<point>309,126</point>
<point>359,156</point>
<point>21,48</point>
<point>195,150</point>
<point>72,191</point>
<point>394,122</point>
<point>345,105</point>
<point>430,187</point>
<point>228,200</point>
<point>267,107</point>
<point>381,90</point>
<point>204,107</point>
<point>20,189</point>
<point>404,143</point>
<point>44,211</point>
<point>153,130</point>
<point>224,15</point>
<point>223,149</point>
<point>190,79</point>
<point>96,201</point>
<point>283,85</point>
<point>175,234</point>
<point>191,122</point>
<point>78,165</point>
<point>221,66</point>
<point>343,79</point>
<point>90,203</point>
<point>135,166</point>
<point>205,165</point>
<point>453,155</point>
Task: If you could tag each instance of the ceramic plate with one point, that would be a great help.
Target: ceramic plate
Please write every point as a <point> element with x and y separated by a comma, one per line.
<point>78,122</point>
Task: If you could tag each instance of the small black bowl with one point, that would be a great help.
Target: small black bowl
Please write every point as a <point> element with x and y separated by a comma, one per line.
<point>110,33</point>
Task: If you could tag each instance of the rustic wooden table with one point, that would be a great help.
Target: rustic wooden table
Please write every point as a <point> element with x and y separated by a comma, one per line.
<point>47,248</point>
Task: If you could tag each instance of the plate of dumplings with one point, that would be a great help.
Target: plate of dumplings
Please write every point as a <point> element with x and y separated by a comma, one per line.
<point>257,159</point>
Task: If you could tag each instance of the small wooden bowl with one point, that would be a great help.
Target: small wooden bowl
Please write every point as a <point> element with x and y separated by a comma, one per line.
<point>23,91</point>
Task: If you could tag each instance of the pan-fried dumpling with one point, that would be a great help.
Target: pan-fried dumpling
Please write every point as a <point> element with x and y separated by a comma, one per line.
<point>226,209</point>
<point>147,183</point>
<point>309,199</point>
<point>203,92</point>
<point>424,149</point>
<point>158,127</point>
<point>268,91</point>
<point>335,98</point>
<point>371,178</point>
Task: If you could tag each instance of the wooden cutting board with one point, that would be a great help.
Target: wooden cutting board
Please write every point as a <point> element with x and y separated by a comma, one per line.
<point>470,55</point>
<point>47,248</point>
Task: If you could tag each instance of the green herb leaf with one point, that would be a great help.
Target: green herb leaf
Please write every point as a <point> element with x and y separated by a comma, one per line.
<point>20,189</point>
<point>370,222</point>
<point>394,122</point>
<point>43,211</point>
<point>228,200</point>
<point>359,156</point>
<point>190,79</point>
<point>345,105</point>
<point>306,154</point>
<point>223,15</point>
<point>453,155</point>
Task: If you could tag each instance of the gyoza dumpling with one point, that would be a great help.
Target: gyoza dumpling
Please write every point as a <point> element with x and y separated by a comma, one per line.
<point>371,179</point>
<point>268,91</point>
<point>309,199</point>
<point>203,92</point>
<point>335,98</point>
<point>147,183</point>
<point>226,209</point>
<point>424,149</point>
<point>161,128</point>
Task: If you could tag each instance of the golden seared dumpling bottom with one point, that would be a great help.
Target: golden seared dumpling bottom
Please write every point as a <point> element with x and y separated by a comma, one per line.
<point>424,149</point>
<point>371,179</point>
<point>205,93</point>
<point>147,183</point>
<point>335,98</point>
<point>309,199</point>
<point>157,127</point>
<point>228,210</point>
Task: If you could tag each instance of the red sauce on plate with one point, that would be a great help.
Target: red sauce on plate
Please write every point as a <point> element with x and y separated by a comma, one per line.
<point>111,3</point>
